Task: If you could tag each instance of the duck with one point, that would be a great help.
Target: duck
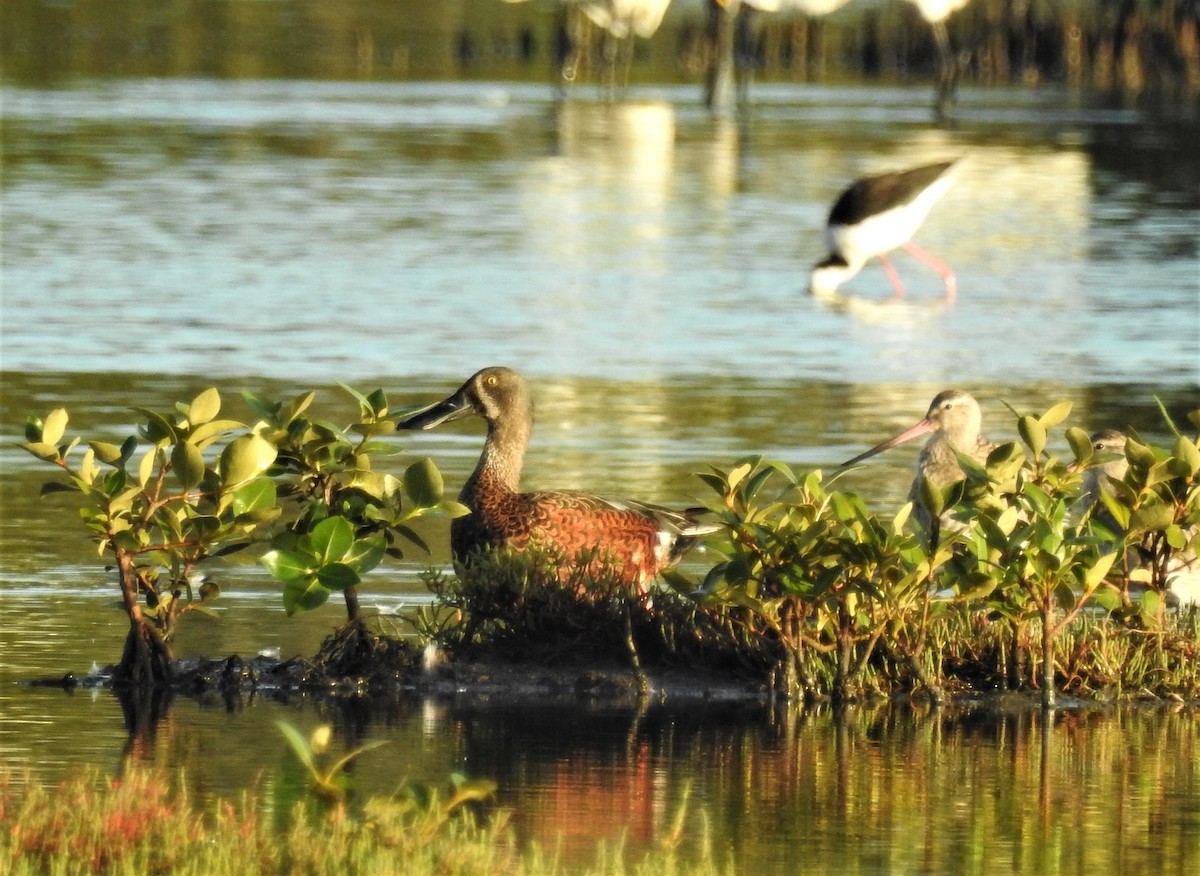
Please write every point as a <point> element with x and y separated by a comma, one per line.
<point>956,422</point>
<point>631,540</point>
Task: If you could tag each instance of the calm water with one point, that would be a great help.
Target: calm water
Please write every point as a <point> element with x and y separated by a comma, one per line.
<point>645,265</point>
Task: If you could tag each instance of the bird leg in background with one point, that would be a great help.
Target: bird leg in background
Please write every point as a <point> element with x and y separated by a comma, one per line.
<point>892,275</point>
<point>939,267</point>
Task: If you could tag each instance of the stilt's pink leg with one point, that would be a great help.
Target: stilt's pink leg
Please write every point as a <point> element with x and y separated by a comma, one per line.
<point>892,275</point>
<point>941,268</point>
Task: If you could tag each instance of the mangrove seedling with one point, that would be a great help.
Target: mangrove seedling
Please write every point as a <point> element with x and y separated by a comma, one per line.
<point>344,517</point>
<point>186,487</point>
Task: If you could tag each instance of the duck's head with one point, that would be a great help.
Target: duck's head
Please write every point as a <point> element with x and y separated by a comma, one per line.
<point>495,394</point>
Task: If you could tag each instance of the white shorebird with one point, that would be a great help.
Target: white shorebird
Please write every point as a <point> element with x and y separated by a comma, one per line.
<point>1182,572</point>
<point>955,421</point>
<point>876,215</point>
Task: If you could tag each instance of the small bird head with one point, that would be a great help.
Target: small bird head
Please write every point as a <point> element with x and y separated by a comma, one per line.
<point>828,275</point>
<point>956,415</point>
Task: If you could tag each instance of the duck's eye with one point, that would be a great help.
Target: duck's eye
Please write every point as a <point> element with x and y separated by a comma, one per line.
<point>490,380</point>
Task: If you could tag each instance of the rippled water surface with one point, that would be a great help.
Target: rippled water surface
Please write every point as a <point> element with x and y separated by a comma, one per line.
<point>645,265</point>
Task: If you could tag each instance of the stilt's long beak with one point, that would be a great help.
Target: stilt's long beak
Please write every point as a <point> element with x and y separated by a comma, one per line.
<point>922,428</point>
<point>452,408</point>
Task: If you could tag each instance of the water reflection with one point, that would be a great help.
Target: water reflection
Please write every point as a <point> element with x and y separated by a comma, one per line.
<point>887,789</point>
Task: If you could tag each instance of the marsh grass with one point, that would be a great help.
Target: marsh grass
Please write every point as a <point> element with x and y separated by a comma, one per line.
<point>145,822</point>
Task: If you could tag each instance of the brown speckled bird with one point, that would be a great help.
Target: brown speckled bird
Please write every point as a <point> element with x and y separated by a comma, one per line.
<point>955,420</point>
<point>638,539</point>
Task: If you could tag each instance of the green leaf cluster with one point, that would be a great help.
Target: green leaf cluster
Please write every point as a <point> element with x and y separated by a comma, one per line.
<point>185,487</point>
<point>345,516</point>
<point>814,567</point>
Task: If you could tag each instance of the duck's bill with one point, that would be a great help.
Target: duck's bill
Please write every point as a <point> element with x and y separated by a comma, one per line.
<point>922,428</point>
<point>437,413</point>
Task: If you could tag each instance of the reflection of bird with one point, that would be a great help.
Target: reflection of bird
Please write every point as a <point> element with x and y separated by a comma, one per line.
<point>955,420</point>
<point>1181,574</point>
<point>876,215</point>
<point>936,12</point>
<point>639,540</point>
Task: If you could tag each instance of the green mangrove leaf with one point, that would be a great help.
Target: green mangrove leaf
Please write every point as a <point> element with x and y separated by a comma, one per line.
<point>42,450</point>
<point>1108,598</point>
<point>1151,517</point>
<point>288,566</point>
<point>378,403</point>
<point>366,553</point>
<point>1081,444</point>
<point>1186,451</point>
<point>1151,604</point>
<point>109,454</point>
<point>146,466</point>
<point>266,409</point>
<point>33,429</point>
<point>1055,415</point>
<point>365,407</point>
<point>300,404</point>
<point>245,457</point>
<point>1138,454</point>
<point>412,536</point>
<point>1033,433</point>
<point>158,428</point>
<point>931,497</point>
<point>330,540</point>
<point>737,473</point>
<point>54,426</point>
<point>206,433</point>
<point>337,576</point>
<point>423,483</point>
<point>187,464</point>
<point>254,496</point>
<point>204,407</point>
<point>1099,570</point>
<point>129,445</point>
<point>87,467</point>
<point>303,594</point>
